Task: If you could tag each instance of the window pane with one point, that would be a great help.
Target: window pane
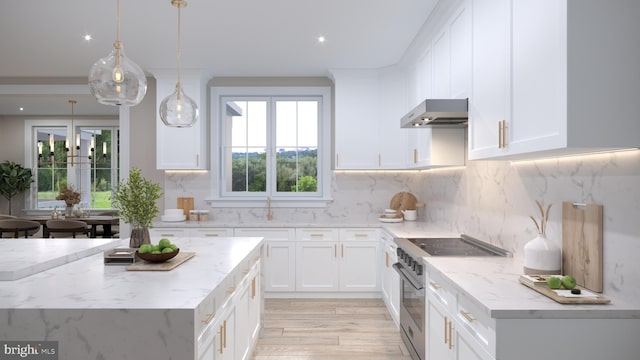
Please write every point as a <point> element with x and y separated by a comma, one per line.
<point>246,160</point>
<point>296,144</point>
<point>95,171</point>
<point>51,171</point>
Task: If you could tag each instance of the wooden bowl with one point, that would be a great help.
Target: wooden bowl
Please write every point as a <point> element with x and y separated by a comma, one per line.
<point>157,258</point>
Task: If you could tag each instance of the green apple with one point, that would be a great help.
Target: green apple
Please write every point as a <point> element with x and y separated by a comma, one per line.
<point>167,250</point>
<point>554,282</point>
<point>568,281</point>
<point>163,243</point>
<point>156,252</point>
<point>144,249</point>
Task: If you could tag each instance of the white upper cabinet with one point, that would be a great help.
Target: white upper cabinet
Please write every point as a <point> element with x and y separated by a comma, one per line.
<point>368,107</point>
<point>181,148</point>
<point>442,71</point>
<point>544,86</point>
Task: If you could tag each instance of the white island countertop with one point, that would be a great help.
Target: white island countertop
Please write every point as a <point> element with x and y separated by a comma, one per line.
<point>89,284</point>
<point>24,257</point>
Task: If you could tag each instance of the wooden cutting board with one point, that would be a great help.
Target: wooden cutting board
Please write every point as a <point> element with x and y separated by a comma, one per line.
<point>163,266</point>
<point>185,203</point>
<point>545,290</point>
<point>403,201</point>
<point>582,244</point>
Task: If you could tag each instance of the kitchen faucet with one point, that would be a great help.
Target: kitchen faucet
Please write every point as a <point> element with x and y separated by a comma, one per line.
<point>269,212</point>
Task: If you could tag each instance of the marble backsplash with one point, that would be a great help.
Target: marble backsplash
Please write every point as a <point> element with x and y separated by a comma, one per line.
<point>490,200</point>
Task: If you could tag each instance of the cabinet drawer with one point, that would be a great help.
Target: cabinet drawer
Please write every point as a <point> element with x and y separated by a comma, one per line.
<point>441,291</point>
<point>205,313</point>
<point>477,323</point>
<point>386,237</point>
<point>317,234</point>
<point>268,234</point>
<point>359,234</point>
<point>211,232</point>
<point>170,233</point>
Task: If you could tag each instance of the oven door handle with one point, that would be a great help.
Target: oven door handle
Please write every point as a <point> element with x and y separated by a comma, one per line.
<point>403,272</point>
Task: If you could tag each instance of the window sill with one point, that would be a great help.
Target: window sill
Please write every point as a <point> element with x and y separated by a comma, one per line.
<point>262,203</point>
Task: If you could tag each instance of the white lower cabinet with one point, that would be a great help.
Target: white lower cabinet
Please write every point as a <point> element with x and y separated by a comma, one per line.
<point>456,328</point>
<point>231,330</point>
<point>390,279</point>
<point>279,257</point>
<point>317,266</point>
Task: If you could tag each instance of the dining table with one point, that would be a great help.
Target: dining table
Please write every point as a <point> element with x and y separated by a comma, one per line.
<point>106,221</point>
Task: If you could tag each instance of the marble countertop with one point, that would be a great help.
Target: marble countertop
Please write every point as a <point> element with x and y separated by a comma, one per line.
<point>24,257</point>
<point>493,284</point>
<point>87,283</point>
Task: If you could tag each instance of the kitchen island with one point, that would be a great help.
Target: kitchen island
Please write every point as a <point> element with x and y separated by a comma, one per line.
<point>97,311</point>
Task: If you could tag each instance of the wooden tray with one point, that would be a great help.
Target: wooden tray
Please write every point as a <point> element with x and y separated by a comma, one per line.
<point>545,290</point>
<point>403,201</point>
<point>163,266</point>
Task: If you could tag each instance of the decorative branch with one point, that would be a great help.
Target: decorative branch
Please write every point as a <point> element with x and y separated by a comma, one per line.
<point>544,217</point>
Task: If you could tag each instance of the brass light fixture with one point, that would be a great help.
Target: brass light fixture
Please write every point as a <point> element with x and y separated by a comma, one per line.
<point>72,157</point>
<point>177,109</point>
<point>115,79</point>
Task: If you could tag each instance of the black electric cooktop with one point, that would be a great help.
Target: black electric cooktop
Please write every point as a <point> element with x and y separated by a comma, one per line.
<point>462,246</point>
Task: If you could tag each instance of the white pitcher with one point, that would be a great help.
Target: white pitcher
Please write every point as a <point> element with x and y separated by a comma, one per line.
<point>410,215</point>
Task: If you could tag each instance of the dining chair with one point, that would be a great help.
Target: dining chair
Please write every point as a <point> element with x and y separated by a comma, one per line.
<point>67,228</point>
<point>15,228</point>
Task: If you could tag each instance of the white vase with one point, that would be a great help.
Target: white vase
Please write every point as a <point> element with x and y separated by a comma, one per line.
<point>542,257</point>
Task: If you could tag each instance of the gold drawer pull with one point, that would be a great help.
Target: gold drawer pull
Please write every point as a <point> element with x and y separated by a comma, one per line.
<point>450,335</point>
<point>360,235</point>
<point>231,289</point>
<point>211,235</point>
<point>434,285</point>
<point>468,316</point>
<point>220,337</point>
<point>167,235</point>
<point>209,317</point>
<point>446,322</point>
<point>316,235</point>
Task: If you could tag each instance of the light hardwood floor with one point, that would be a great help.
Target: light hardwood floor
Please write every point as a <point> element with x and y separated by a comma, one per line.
<point>328,329</point>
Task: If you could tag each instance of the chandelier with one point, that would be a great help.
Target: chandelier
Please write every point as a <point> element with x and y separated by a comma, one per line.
<point>73,154</point>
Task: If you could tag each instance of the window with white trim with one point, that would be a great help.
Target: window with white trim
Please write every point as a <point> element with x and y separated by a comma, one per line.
<point>85,159</point>
<point>273,143</point>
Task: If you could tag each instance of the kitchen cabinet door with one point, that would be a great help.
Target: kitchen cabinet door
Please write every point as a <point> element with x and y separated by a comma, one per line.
<point>317,266</point>
<point>181,148</point>
<point>171,233</point>
<point>278,256</point>
<point>211,232</point>
<point>359,266</point>
<point>224,341</point>
<point>490,100</point>
<point>368,107</point>
<point>439,332</point>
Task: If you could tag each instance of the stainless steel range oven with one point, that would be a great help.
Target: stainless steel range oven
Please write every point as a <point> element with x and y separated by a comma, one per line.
<point>412,280</point>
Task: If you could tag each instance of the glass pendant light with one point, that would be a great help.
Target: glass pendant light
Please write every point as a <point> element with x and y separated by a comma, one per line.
<point>115,79</point>
<point>177,109</point>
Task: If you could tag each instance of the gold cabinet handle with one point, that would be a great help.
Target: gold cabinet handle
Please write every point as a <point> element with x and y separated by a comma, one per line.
<point>197,159</point>
<point>500,134</point>
<point>211,235</point>
<point>337,160</point>
<point>450,335</point>
<point>360,235</point>
<point>335,250</point>
<point>267,250</point>
<point>379,160</point>
<point>316,235</point>
<point>434,285</point>
<point>415,156</point>
<point>221,350</point>
<point>209,317</point>
<point>167,235</point>
<point>446,322</point>
<point>231,289</point>
<point>224,337</point>
<point>468,316</point>
<point>386,261</point>
<point>342,250</point>
<point>253,288</point>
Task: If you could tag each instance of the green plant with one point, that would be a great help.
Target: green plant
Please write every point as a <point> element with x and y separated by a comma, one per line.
<point>14,179</point>
<point>135,199</point>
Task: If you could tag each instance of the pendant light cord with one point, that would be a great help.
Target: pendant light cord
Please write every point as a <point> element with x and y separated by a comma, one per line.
<point>179,47</point>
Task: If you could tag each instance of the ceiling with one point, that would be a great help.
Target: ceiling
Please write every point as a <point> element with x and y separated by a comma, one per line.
<point>44,39</point>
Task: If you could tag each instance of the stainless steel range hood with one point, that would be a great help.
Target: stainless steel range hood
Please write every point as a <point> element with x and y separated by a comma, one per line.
<point>438,112</point>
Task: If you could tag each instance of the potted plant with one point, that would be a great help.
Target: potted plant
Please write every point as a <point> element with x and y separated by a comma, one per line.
<point>70,198</point>
<point>135,199</point>
<point>14,179</point>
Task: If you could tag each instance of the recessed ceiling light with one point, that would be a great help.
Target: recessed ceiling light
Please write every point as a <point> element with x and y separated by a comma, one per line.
<point>322,39</point>
<point>87,37</point>
<point>21,109</point>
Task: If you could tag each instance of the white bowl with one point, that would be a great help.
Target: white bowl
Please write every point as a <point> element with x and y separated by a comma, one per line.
<point>171,218</point>
<point>390,211</point>
<point>173,212</point>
